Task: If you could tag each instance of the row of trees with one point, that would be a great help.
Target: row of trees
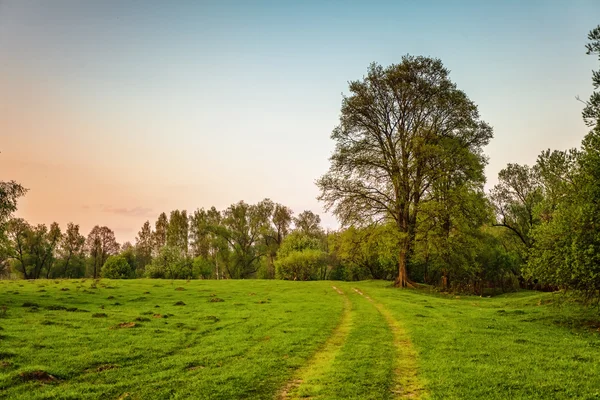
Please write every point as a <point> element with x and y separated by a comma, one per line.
<point>242,241</point>
<point>263,240</point>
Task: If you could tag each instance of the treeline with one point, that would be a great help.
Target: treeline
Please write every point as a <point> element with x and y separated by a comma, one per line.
<point>242,241</point>
<point>264,240</point>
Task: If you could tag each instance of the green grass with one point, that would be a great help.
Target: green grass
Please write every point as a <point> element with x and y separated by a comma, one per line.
<point>243,347</point>
<point>525,345</point>
<point>158,339</point>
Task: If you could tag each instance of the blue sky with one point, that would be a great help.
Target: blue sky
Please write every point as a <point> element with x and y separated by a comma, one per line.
<point>114,111</point>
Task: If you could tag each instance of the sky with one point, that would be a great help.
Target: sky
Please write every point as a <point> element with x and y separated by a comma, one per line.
<point>112,112</point>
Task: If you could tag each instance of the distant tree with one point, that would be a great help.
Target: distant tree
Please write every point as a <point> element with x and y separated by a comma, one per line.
<point>308,223</point>
<point>208,239</point>
<point>280,219</point>
<point>19,232</point>
<point>177,231</point>
<point>143,248</point>
<point>166,264</point>
<point>128,251</point>
<point>9,194</point>
<point>100,244</point>
<point>242,226</point>
<point>117,267</point>
<point>43,245</point>
<point>394,127</point>
<point>32,247</point>
<point>160,232</point>
<point>70,248</point>
<point>516,198</point>
<point>200,233</point>
<point>301,257</point>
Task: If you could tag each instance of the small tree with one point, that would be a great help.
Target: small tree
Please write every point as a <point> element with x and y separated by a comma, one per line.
<point>301,257</point>
<point>117,267</point>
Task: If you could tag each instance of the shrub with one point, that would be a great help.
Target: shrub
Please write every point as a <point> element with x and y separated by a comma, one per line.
<point>303,265</point>
<point>117,267</point>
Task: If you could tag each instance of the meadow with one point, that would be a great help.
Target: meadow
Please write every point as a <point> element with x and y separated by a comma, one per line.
<point>254,339</point>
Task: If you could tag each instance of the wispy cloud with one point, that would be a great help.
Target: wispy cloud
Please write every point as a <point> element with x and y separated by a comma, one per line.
<point>130,212</point>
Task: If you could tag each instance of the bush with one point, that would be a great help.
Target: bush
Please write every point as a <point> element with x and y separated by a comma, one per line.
<point>117,267</point>
<point>203,267</point>
<point>303,265</point>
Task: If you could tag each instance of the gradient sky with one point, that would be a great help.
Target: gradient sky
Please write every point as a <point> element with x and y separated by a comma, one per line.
<point>114,111</point>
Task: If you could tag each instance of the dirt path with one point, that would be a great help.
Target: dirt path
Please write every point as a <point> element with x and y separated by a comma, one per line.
<point>323,358</point>
<point>406,384</point>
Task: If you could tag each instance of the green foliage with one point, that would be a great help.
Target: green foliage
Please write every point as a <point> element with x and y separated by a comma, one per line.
<point>566,248</point>
<point>298,241</point>
<point>159,236</point>
<point>405,131</point>
<point>365,253</point>
<point>301,257</point>
<point>9,194</point>
<point>117,267</point>
<point>308,223</point>
<point>302,265</point>
<point>177,231</point>
<point>242,227</point>
<point>32,248</point>
<point>100,244</point>
<point>203,268</point>
<point>167,264</point>
<point>517,198</point>
<point>591,112</point>
<point>143,248</point>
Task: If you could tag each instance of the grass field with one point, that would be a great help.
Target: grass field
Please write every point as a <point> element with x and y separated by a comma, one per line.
<point>157,339</point>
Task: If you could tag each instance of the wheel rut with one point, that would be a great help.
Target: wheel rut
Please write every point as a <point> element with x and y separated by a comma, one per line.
<point>323,358</point>
<point>406,384</point>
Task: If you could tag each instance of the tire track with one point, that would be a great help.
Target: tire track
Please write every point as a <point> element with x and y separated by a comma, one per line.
<point>406,384</point>
<point>323,358</point>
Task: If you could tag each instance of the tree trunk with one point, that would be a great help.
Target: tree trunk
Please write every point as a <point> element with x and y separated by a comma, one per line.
<point>66,266</point>
<point>403,280</point>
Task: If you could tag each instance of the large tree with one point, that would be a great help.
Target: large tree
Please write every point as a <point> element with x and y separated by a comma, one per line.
<point>393,127</point>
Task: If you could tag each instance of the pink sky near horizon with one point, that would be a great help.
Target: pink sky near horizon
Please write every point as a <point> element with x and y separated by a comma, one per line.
<point>90,179</point>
